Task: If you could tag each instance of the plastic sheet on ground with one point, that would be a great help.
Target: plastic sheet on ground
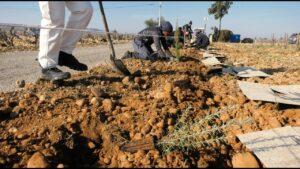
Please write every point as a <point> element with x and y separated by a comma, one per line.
<point>211,61</point>
<point>286,94</point>
<point>245,71</point>
<point>209,55</point>
<point>279,147</point>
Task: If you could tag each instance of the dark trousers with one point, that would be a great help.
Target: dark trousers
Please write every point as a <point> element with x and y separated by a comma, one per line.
<point>142,51</point>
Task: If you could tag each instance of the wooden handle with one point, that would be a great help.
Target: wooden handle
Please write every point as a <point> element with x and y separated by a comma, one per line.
<point>110,44</point>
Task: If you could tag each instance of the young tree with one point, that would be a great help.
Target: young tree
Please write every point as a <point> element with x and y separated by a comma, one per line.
<point>152,22</point>
<point>219,9</point>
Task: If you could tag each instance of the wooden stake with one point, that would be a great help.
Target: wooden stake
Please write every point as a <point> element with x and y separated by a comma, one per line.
<point>273,40</point>
<point>286,40</point>
<point>298,42</point>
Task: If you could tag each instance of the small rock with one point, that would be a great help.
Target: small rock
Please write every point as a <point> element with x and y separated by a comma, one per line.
<point>42,131</point>
<point>158,94</point>
<point>168,88</point>
<point>94,101</point>
<point>152,121</point>
<point>28,95</point>
<point>106,160</point>
<point>98,92</point>
<point>173,110</point>
<point>49,114</point>
<point>53,100</point>
<point>16,166</point>
<point>17,110</point>
<point>138,80</point>
<point>146,129</point>
<point>12,151</point>
<point>126,80</point>
<point>217,98</point>
<point>241,99</point>
<point>200,93</point>
<point>210,102</point>
<point>37,160</point>
<point>171,128</point>
<point>91,145</point>
<point>160,124</point>
<point>42,98</point>
<point>25,142</point>
<point>244,160</point>
<point>22,103</point>
<point>47,145</point>
<point>80,102</point>
<point>21,136</point>
<point>60,166</point>
<point>107,105</point>
<point>137,136</point>
<point>224,117</point>
<point>274,122</point>
<point>20,83</point>
<point>69,119</point>
<point>2,161</point>
<point>145,86</point>
<point>13,130</point>
<point>171,121</point>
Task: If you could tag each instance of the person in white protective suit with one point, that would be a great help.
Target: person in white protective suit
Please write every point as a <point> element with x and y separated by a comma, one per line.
<point>56,46</point>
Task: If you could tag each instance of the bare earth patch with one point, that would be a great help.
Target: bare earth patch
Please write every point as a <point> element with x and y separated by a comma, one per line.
<point>194,115</point>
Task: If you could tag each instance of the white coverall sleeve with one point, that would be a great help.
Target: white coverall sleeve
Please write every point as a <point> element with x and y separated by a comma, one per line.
<point>52,40</point>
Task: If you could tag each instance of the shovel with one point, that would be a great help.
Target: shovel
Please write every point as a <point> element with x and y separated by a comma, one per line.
<point>116,63</point>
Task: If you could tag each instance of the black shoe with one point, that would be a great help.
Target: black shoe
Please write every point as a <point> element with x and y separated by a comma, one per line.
<point>54,74</point>
<point>65,59</point>
<point>127,55</point>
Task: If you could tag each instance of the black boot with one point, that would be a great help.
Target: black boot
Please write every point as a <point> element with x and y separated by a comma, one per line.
<point>127,55</point>
<point>65,59</point>
<point>54,74</point>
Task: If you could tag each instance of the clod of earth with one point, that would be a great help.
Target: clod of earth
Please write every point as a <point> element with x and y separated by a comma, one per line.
<point>244,160</point>
<point>37,160</point>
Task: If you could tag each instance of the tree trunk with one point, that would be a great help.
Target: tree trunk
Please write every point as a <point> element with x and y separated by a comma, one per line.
<point>220,20</point>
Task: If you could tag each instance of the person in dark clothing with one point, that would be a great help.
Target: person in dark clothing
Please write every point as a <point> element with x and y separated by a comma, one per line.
<point>202,41</point>
<point>171,38</point>
<point>187,30</point>
<point>143,41</point>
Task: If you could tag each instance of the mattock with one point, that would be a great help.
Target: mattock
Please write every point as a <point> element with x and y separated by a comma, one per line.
<point>116,63</point>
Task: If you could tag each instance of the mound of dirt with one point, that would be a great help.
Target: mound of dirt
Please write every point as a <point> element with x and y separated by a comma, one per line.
<point>85,121</point>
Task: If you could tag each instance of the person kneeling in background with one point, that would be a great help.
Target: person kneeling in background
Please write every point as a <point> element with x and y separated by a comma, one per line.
<point>202,41</point>
<point>143,41</point>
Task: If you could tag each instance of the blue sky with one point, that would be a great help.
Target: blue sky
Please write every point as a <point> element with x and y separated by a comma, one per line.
<point>250,19</point>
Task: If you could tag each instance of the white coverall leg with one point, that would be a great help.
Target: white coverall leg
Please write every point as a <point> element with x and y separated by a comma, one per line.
<point>53,16</point>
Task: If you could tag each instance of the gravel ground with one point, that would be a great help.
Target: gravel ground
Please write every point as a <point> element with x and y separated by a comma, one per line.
<point>21,65</point>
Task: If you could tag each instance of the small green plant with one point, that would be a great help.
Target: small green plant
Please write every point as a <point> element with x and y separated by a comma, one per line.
<point>191,134</point>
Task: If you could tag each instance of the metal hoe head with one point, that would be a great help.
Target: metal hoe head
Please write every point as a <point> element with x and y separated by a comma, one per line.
<point>119,65</point>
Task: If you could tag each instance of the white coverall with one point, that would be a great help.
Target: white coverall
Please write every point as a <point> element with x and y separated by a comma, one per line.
<point>52,40</point>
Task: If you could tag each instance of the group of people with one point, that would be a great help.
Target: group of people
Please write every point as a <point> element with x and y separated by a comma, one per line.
<point>56,45</point>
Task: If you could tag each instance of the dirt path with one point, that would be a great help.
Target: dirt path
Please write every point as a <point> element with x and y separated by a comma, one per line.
<point>22,65</point>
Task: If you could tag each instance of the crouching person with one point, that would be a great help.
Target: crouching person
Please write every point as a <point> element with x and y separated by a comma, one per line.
<point>143,41</point>
<point>202,41</point>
